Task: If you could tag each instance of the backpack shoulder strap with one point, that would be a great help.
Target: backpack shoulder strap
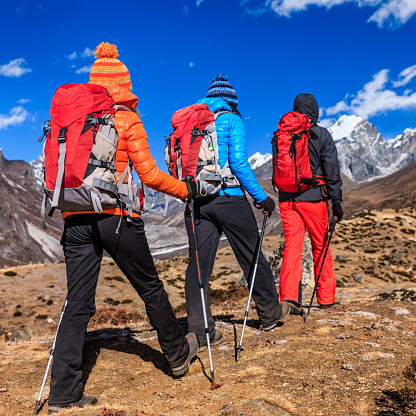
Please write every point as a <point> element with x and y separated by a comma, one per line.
<point>219,112</point>
<point>122,107</point>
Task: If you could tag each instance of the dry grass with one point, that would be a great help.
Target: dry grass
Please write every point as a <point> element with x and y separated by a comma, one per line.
<point>251,371</point>
<point>280,403</point>
<point>363,408</point>
<point>322,330</point>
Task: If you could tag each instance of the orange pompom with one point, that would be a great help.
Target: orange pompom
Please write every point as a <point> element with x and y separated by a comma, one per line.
<point>106,50</point>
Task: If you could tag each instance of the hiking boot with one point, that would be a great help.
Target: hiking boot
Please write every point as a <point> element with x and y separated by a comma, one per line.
<point>181,369</point>
<point>295,307</point>
<point>84,401</point>
<point>214,341</point>
<point>285,313</point>
<point>329,305</point>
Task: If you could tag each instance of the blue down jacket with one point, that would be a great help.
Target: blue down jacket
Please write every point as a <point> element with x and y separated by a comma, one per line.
<point>232,146</point>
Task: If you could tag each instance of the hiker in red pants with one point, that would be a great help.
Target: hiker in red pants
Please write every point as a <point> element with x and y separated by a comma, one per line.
<point>308,209</point>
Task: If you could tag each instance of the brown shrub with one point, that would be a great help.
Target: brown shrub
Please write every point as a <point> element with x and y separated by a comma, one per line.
<point>112,316</point>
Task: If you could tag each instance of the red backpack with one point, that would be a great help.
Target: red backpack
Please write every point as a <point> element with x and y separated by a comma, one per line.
<point>291,164</point>
<point>192,149</point>
<point>80,153</point>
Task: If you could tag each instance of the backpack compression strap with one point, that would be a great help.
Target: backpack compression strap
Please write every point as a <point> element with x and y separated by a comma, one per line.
<point>61,167</point>
<point>128,200</point>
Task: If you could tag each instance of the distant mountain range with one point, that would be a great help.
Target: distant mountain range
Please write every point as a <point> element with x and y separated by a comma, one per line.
<point>376,173</point>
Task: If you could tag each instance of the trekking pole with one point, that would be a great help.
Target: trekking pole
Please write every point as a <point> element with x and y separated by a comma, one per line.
<point>332,228</point>
<point>50,360</point>
<point>201,288</point>
<point>240,348</point>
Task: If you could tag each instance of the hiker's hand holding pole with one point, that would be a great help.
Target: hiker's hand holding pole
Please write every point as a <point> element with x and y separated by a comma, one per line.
<point>337,211</point>
<point>191,185</point>
<point>268,206</point>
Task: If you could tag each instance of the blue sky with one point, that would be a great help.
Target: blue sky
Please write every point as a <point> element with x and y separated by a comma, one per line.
<point>355,56</point>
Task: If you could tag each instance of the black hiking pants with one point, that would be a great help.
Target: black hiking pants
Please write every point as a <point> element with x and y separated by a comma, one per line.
<point>84,238</point>
<point>233,216</point>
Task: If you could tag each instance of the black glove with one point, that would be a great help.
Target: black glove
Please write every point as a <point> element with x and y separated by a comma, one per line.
<point>191,185</point>
<point>337,211</point>
<point>267,206</point>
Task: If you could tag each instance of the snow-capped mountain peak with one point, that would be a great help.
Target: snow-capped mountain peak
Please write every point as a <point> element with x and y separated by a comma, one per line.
<point>344,127</point>
<point>37,168</point>
<point>258,160</point>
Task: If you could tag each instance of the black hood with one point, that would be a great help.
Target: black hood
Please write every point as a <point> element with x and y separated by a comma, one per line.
<point>307,104</point>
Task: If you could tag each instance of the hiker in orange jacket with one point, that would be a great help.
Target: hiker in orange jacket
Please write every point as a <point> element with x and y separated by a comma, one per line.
<point>87,234</point>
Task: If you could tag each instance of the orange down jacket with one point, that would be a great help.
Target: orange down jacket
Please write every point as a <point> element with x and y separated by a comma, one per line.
<point>132,143</point>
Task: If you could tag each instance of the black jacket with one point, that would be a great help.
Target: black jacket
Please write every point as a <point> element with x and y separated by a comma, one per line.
<point>323,157</point>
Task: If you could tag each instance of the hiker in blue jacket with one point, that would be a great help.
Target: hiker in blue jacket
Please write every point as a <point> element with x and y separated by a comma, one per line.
<point>229,212</point>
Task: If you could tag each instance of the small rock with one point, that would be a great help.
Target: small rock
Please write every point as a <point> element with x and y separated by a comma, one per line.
<point>391,328</point>
<point>262,408</point>
<point>361,380</point>
<point>351,247</point>
<point>396,257</point>
<point>366,314</point>
<point>372,344</point>
<point>358,277</point>
<point>377,224</point>
<point>3,390</point>
<point>387,355</point>
<point>348,367</point>
<point>278,342</point>
<point>341,258</point>
<point>223,347</point>
<point>402,312</point>
<point>21,334</point>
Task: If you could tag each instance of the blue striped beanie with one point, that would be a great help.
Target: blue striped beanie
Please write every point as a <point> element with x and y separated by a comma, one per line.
<point>221,88</point>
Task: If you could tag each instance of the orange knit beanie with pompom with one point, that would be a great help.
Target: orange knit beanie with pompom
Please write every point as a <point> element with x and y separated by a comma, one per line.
<point>107,68</point>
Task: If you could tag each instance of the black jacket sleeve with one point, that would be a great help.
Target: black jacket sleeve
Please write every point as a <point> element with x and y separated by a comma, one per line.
<point>330,166</point>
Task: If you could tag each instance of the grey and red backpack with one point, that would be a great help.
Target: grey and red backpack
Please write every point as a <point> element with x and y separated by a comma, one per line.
<point>80,154</point>
<point>192,149</point>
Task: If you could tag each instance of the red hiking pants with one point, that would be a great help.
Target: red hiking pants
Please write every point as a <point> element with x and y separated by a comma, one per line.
<point>296,217</point>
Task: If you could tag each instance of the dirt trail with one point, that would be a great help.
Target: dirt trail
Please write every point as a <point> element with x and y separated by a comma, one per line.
<point>337,363</point>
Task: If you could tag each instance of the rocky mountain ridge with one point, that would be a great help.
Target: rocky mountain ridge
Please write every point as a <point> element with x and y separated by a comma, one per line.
<point>22,239</point>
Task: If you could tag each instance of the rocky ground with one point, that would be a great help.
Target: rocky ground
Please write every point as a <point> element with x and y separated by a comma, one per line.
<point>338,363</point>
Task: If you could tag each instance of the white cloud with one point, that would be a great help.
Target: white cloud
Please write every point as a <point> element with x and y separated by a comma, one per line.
<point>405,76</point>
<point>191,64</point>
<point>14,68</point>
<point>388,13</point>
<point>375,98</point>
<point>72,56</point>
<point>394,12</point>
<point>185,9</point>
<point>327,122</point>
<point>198,2</point>
<point>23,101</point>
<point>17,115</point>
<point>84,70</point>
<point>337,108</point>
<point>87,53</point>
